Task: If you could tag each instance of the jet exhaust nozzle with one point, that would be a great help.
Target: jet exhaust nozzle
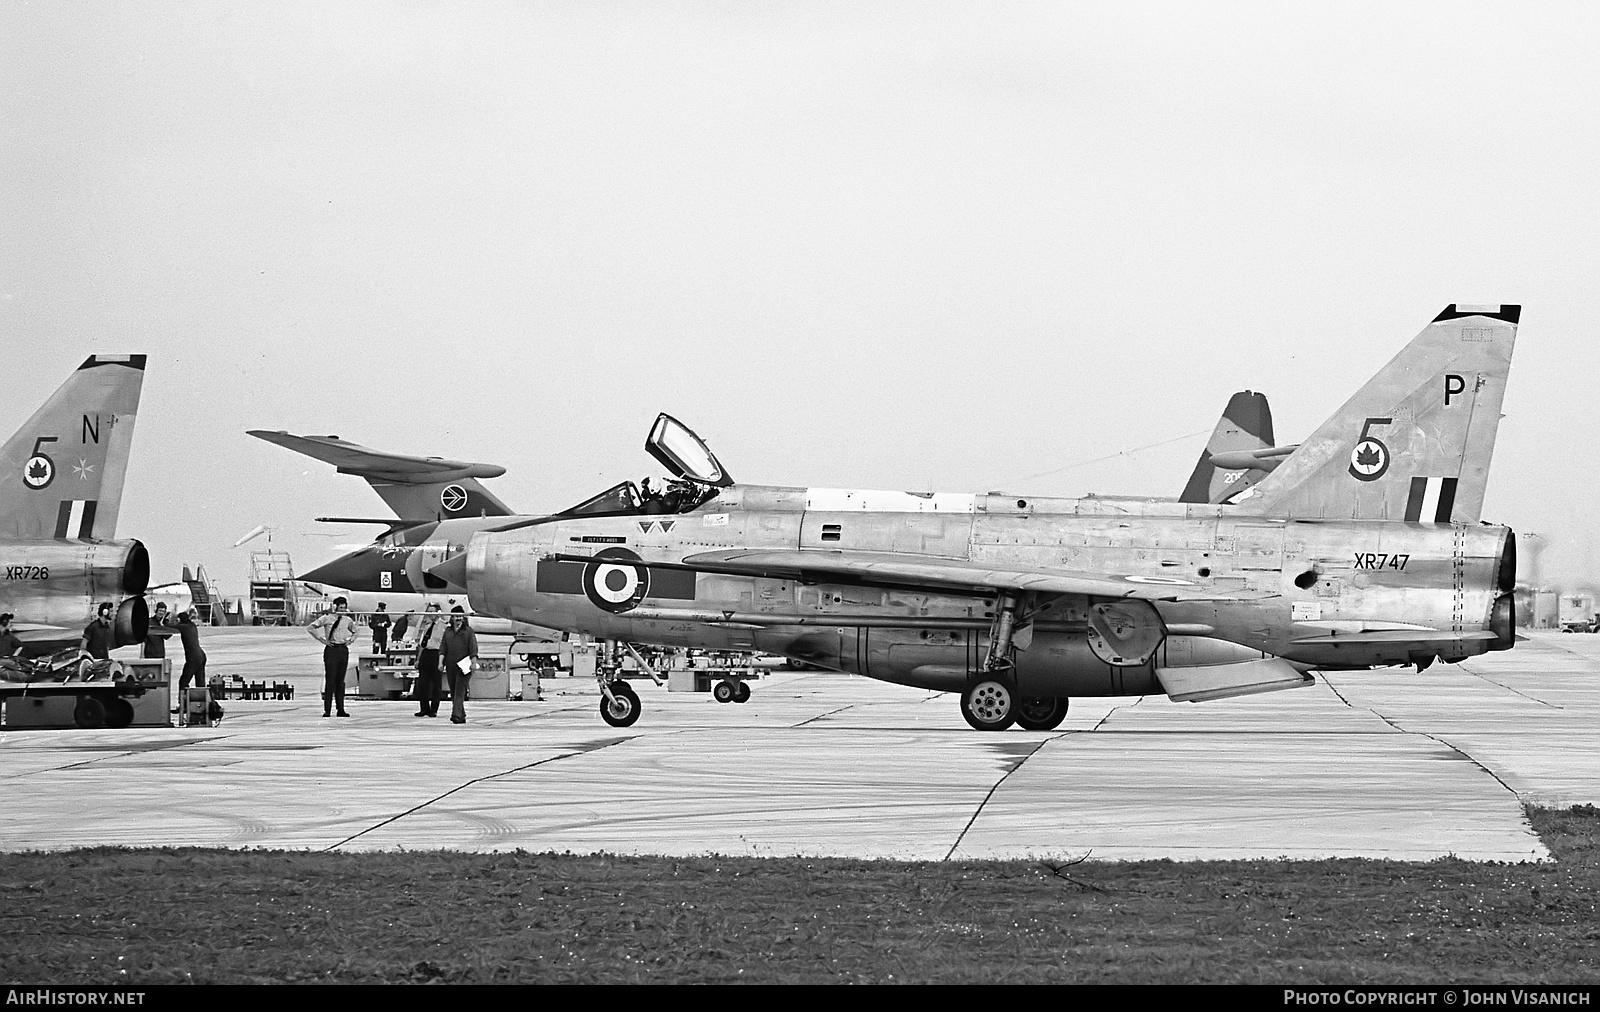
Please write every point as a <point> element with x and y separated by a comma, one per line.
<point>136,571</point>
<point>132,623</point>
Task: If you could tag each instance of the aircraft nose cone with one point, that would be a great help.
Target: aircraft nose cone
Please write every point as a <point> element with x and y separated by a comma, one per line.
<point>452,571</point>
<point>356,571</point>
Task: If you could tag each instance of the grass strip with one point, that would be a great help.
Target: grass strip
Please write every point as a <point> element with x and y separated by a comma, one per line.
<point>109,915</point>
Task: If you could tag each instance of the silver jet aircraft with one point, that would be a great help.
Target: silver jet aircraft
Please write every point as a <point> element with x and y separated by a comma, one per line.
<point>1238,454</point>
<point>1362,548</point>
<point>61,478</point>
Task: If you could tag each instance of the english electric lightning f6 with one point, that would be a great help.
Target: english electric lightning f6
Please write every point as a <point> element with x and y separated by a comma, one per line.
<point>1361,548</point>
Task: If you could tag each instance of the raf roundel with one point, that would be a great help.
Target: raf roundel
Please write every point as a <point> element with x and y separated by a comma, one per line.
<point>613,585</point>
<point>453,498</point>
<point>38,472</point>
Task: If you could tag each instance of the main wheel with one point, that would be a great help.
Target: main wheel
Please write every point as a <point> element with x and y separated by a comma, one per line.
<point>988,705</point>
<point>119,712</point>
<point>741,693</point>
<point>89,712</point>
<point>1041,713</point>
<point>622,709</point>
<point>724,692</point>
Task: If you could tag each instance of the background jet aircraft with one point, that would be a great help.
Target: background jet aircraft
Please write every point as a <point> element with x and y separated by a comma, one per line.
<point>1239,453</point>
<point>1362,548</point>
<point>417,488</point>
<point>393,569</point>
<point>61,478</point>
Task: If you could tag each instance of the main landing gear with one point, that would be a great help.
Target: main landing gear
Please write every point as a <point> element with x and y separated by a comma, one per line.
<point>731,690</point>
<point>991,702</point>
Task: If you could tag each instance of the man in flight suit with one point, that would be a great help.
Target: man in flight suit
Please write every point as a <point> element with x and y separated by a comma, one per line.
<point>334,631</point>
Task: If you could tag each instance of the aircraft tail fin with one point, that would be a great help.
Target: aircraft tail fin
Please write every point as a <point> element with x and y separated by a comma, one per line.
<point>1415,442</point>
<point>430,487</point>
<point>1245,425</point>
<point>61,474</point>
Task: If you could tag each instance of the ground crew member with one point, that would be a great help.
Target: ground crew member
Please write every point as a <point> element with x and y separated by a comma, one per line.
<point>155,640</point>
<point>379,623</point>
<point>194,659</point>
<point>97,635</point>
<point>334,631</point>
<point>458,650</point>
<point>401,622</point>
<point>430,633</point>
<point>10,646</point>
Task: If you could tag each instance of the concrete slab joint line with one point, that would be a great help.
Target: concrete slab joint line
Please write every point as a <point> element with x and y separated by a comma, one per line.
<point>1524,695</point>
<point>594,747</point>
<point>979,810</point>
<point>1433,738</point>
<point>118,754</point>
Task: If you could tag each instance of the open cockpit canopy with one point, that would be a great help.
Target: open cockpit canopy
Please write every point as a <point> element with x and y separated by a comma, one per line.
<point>684,453</point>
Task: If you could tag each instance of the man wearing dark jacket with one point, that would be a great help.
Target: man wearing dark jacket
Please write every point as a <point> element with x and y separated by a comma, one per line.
<point>458,649</point>
<point>379,624</point>
<point>194,658</point>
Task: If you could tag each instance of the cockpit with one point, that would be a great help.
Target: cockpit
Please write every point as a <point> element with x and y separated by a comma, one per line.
<point>698,476</point>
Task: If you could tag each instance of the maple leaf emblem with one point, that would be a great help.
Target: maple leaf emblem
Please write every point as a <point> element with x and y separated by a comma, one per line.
<point>1367,456</point>
<point>37,471</point>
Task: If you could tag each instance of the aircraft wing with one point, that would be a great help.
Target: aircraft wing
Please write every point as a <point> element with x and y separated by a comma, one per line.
<point>891,569</point>
<point>353,458</point>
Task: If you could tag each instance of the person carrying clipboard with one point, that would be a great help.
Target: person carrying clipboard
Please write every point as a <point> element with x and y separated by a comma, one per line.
<point>459,652</point>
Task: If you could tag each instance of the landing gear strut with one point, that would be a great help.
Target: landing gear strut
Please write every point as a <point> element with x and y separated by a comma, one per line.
<point>989,703</point>
<point>619,704</point>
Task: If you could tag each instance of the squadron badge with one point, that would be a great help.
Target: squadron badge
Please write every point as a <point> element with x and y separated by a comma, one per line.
<point>453,498</point>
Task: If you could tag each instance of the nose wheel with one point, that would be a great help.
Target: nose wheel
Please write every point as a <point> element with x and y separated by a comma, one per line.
<point>621,707</point>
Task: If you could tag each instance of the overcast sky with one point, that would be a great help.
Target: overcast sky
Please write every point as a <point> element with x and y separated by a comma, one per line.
<point>949,246</point>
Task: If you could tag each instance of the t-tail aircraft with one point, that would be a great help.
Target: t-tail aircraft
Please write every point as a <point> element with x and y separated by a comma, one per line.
<point>1362,548</point>
<point>61,478</point>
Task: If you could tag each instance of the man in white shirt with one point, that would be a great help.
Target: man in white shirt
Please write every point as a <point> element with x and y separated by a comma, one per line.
<point>334,630</point>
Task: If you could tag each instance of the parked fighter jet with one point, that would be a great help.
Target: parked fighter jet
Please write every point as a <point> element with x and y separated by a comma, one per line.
<point>61,481</point>
<point>1361,549</point>
<point>398,561</point>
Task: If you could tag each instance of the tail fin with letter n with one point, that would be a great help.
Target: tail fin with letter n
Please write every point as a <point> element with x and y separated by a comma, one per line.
<point>61,475</point>
<point>1414,443</point>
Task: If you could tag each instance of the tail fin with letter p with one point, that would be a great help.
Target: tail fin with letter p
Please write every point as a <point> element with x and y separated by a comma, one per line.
<point>61,474</point>
<point>1415,442</point>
